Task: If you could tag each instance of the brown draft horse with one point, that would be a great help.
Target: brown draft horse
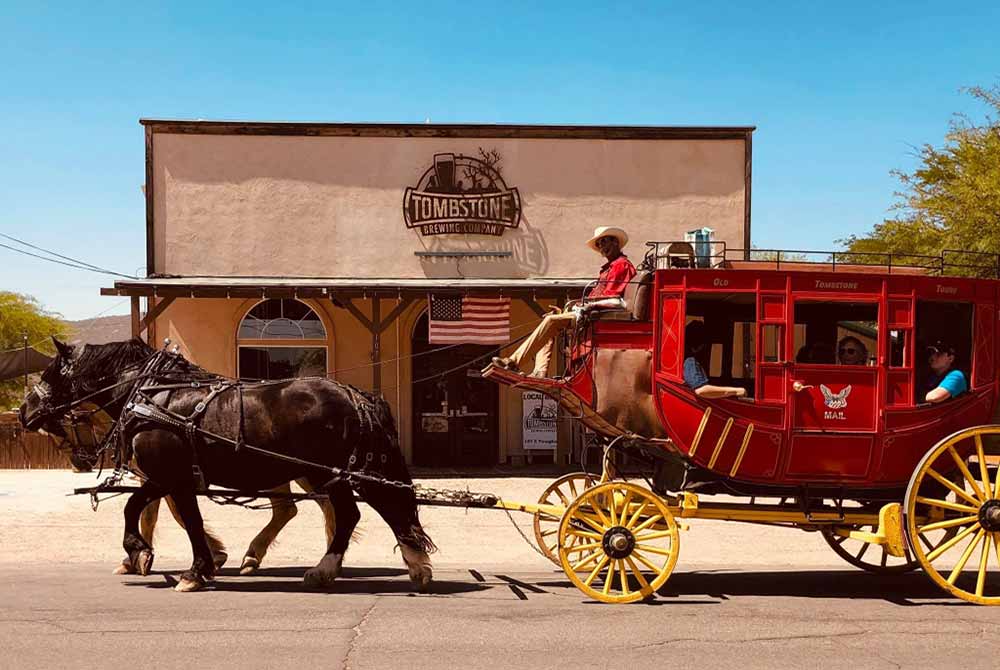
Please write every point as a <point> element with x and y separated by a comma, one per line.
<point>311,427</point>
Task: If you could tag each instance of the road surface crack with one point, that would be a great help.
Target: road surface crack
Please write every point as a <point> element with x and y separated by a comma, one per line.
<point>356,636</point>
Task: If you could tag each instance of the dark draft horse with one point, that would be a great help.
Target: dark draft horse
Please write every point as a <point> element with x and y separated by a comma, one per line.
<point>318,421</point>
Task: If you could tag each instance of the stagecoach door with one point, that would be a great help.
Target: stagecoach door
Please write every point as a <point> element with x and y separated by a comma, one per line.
<point>455,410</point>
<point>833,388</point>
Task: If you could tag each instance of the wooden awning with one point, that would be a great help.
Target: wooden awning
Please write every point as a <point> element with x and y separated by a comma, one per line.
<point>309,287</point>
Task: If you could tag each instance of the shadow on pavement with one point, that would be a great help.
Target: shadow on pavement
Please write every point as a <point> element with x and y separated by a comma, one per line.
<point>845,584</point>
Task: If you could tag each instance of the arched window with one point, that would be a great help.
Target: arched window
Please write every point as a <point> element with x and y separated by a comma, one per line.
<point>282,338</point>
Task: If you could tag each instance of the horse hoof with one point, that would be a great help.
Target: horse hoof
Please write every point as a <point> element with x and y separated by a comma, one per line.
<point>125,568</point>
<point>250,565</point>
<point>189,582</point>
<point>318,579</point>
<point>144,562</point>
<point>220,559</point>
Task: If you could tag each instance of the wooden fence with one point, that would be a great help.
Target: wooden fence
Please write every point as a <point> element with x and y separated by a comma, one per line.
<point>24,450</point>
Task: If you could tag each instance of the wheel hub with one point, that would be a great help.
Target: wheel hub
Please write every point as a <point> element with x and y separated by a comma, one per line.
<point>989,516</point>
<point>618,542</point>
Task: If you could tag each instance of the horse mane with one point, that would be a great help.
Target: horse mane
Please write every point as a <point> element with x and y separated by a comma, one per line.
<point>96,362</point>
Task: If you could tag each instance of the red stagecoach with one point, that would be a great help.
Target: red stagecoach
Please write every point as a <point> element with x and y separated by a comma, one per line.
<point>849,450</point>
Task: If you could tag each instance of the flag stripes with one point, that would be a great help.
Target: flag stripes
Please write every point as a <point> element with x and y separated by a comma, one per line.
<point>473,320</point>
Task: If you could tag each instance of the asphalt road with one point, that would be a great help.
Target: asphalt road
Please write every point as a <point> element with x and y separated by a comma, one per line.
<point>741,597</point>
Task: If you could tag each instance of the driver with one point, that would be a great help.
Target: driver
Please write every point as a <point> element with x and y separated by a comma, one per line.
<point>611,284</point>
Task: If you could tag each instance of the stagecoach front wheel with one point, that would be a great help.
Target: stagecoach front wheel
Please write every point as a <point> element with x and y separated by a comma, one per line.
<point>953,516</point>
<point>559,493</point>
<point>618,542</point>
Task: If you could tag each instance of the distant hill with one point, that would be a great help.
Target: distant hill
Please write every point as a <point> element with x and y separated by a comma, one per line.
<point>101,330</point>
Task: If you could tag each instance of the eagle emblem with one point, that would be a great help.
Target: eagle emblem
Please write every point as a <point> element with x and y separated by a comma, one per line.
<point>835,400</point>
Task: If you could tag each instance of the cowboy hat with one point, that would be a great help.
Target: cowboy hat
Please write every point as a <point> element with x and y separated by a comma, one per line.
<point>607,231</point>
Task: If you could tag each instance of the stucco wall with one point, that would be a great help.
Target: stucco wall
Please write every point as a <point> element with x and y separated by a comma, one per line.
<point>332,206</point>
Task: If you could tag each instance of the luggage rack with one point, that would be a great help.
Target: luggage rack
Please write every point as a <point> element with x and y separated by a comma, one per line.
<point>950,262</point>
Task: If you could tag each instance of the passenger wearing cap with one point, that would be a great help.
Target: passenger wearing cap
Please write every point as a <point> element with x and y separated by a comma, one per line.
<point>945,380</point>
<point>694,374</point>
<point>607,294</point>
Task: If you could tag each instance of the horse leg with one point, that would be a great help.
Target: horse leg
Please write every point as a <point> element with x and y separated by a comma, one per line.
<point>398,508</point>
<point>202,567</point>
<point>325,506</point>
<point>138,550</point>
<point>219,555</point>
<point>283,510</point>
<point>347,514</point>
<point>147,523</point>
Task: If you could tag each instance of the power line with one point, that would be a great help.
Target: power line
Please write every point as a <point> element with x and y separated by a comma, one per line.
<point>79,265</point>
<point>53,253</point>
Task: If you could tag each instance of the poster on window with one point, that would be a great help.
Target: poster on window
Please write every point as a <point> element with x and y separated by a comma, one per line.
<point>539,428</point>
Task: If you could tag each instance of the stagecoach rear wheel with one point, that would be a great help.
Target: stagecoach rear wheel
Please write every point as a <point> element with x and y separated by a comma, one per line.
<point>953,492</point>
<point>865,555</point>
<point>618,542</point>
<point>560,493</point>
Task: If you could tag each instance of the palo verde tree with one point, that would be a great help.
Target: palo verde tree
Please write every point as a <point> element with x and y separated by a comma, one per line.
<point>952,199</point>
<point>22,315</point>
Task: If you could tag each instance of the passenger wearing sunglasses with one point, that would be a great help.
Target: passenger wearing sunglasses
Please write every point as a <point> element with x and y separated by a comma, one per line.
<point>851,351</point>
<point>945,380</point>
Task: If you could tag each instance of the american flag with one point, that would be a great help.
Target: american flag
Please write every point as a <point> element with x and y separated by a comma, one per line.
<point>457,320</point>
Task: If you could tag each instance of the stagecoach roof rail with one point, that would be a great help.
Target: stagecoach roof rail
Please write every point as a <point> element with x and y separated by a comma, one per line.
<point>949,262</point>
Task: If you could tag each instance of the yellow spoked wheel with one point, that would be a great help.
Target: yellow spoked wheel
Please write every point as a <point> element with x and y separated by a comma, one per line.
<point>953,517</point>
<point>561,492</point>
<point>865,555</point>
<point>618,542</point>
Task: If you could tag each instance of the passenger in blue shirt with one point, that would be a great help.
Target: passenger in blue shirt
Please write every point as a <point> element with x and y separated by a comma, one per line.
<point>694,373</point>
<point>945,381</point>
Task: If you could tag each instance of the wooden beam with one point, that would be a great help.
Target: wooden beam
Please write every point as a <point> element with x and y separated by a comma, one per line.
<point>535,307</point>
<point>154,312</point>
<point>394,314</point>
<point>353,309</point>
<point>135,316</point>
<point>376,345</point>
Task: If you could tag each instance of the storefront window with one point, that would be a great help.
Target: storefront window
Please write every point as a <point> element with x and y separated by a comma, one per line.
<point>279,339</point>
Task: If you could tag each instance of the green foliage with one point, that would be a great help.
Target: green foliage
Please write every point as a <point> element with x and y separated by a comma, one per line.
<point>20,315</point>
<point>952,199</point>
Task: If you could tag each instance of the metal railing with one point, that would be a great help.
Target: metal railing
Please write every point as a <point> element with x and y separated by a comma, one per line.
<point>950,262</point>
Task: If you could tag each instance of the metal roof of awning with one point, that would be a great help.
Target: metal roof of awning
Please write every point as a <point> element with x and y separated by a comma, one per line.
<point>319,287</point>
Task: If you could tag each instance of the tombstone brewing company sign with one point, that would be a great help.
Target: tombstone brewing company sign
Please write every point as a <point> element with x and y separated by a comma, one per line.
<point>460,194</point>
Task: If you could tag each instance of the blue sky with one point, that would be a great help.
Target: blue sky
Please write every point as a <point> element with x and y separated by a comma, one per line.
<point>840,93</point>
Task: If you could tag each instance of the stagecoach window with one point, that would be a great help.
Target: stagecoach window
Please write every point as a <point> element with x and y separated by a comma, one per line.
<point>771,343</point>
<point>898,347</point>
<point>730,323</point>
<point>831,333</point>
<point>947,322</point>
<point>283,338</point>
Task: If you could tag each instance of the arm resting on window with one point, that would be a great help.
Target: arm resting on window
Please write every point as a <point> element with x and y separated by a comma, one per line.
<point>940,394</point>
<point>712,392</point>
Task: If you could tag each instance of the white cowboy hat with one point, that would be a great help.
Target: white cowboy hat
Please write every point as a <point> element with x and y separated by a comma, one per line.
<point>607,231</point>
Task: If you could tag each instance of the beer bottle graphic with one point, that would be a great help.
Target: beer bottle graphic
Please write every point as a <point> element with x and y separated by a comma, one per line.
<point>444,171</point>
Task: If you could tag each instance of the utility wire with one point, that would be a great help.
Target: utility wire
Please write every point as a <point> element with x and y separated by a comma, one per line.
<point>79,265</point>
<point>53,253</point>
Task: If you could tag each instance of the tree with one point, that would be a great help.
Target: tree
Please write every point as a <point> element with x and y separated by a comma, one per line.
<point>952,199</point>
<point>20,315</point>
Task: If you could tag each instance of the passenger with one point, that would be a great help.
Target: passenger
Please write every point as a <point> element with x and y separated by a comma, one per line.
<point>852,351</point>
<point>694,373</point>
<point>611,284</point>
<point>945,381</point>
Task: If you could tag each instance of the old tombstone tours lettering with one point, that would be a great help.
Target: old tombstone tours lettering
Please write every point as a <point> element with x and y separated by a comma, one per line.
<point>461,194</point>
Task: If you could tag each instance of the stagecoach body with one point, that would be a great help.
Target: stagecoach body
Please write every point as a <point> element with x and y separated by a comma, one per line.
<point>852,451</point>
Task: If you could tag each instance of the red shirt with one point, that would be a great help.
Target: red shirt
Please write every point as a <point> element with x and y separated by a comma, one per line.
<point>615,276</point>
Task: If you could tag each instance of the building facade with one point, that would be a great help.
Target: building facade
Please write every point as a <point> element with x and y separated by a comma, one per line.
<point>281,249</point>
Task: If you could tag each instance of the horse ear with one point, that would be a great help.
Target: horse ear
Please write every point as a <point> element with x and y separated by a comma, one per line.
<point>65,350</point>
